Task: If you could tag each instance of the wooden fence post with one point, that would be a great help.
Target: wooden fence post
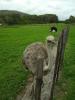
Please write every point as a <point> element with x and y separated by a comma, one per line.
<point>61,48</point>
<point>39,79</point>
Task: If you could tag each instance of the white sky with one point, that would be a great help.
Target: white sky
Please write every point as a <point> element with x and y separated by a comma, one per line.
<point>63,8</point>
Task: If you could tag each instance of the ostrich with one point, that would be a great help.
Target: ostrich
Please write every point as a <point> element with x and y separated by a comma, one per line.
<point>32,53</point>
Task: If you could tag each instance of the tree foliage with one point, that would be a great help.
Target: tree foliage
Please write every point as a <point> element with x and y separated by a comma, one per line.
<point>70,20</point>
<point>15,17</point>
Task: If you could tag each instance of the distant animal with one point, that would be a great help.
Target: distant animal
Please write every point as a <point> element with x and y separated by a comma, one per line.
<point>53,29</point>
<point>32,53</point>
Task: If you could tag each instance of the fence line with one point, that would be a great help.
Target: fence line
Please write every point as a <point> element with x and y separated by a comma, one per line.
<point>59,57</point>
<point>54,68</point>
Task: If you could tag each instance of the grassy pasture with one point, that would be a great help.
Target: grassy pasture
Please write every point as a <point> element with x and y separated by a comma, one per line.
<point>13,77</point>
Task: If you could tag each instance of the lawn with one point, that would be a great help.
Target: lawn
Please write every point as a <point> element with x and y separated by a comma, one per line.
<point>13,76</point>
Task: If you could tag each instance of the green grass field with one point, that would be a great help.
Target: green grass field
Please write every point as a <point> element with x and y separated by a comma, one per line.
<point>13,76</point>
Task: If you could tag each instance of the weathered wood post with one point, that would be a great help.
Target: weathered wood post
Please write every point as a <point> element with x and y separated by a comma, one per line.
<point>39,78</point>
<point>61,49</point>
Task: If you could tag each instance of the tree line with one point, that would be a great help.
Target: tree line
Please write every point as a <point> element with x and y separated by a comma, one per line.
<point>15,17</point>
<point>70,20</point>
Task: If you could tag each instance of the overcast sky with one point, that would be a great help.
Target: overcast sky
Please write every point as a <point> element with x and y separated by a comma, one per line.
<point>63,8</point>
